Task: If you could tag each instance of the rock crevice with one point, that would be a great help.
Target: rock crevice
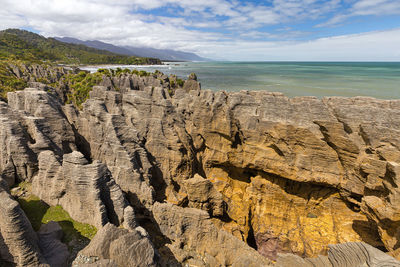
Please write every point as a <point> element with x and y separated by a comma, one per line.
<point>196,167</point>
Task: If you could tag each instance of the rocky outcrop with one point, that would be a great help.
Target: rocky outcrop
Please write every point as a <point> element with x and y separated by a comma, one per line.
<point>195,240</point>
<point>256,174</point>
<point>55,252</point>
<point>45,121</point>
<point>18,240</point>
<point>292,172</point>
<point>126,82</point>
<point>191,83</point>
<point>34,72</point>
<point>201,194</point>
<point>17,160</point>
<point>306,157</point>
<point>121,247</point>
<point>346,255</point>
<point>112,142</point>
<point>86,191</point>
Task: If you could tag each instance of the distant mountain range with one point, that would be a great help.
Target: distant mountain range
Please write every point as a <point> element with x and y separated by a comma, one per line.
<point>163,54</point>
<point>29,46</point>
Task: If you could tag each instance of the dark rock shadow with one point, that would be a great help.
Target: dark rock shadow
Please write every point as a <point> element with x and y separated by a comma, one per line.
<point>82,144</point>
<point>368,231</point>
<point>34,210</point>
<point>146,220</point>
<point>6,264</point>
<point>157,179</point>
<point>73,239</point>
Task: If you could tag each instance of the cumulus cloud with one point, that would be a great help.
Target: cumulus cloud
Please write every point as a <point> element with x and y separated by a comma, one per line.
<point>372,46</point>
<point>224,29</point>
<point>366,8</point>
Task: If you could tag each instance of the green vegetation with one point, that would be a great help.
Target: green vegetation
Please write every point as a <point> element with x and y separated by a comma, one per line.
<point>20,47</point>
<point>81,84</point>
<point>40,213</point>
<point>28,46</point>
<point>69,226</point>
<point>180,82</point>
<point>8,81</point>
<point>141,73</point>
<point>75,85</point>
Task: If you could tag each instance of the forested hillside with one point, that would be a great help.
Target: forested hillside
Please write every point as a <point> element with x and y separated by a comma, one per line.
<point>25,45</point>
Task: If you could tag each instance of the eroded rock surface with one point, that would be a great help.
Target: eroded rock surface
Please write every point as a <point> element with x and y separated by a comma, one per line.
<point>18,240</point>
<point>343,255</point>
<point>196,241</point>
<point>86,191</point>
<point>256,174</point>
<point>122,247</point>
<point>201,194</point>
<point>17,160</point>
<point>55,252</point>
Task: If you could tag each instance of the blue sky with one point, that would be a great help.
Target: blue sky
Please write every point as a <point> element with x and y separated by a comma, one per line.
<point>362,30</point>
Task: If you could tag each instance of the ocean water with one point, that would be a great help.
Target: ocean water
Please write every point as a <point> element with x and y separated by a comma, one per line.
<point>376,79</point>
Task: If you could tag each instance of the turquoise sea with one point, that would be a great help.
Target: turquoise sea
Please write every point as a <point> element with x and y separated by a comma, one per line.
<point>376,79</point>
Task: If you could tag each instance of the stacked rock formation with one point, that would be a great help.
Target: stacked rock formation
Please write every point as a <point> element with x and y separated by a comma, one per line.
<point>347,255</point>
<point>190,176</point>
<point>18,241</point>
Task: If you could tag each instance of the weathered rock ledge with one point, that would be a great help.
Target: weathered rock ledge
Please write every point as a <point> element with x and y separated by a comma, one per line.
<point>200,178</point>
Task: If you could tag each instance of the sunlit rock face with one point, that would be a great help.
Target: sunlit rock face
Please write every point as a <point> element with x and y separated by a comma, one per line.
<point>250,172</point>
<point>295,174</point>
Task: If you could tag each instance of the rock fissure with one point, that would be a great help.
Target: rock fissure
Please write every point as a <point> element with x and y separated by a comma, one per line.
<point>163,173</point>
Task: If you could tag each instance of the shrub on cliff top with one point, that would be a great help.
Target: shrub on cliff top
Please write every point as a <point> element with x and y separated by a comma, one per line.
<point>180,82</point>
<point>8,81</point>
<point>81,84</point>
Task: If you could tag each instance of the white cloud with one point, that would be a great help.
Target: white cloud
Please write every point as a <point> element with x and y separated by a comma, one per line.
<point>376,7</point>
<point>366,8</point>
<point>372,46</point>
<point>121,23</point>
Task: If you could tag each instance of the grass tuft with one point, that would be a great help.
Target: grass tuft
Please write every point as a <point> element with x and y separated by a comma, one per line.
<point>40,213</point>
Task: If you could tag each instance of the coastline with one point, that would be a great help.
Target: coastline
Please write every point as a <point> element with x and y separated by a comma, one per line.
<point>320,79</point>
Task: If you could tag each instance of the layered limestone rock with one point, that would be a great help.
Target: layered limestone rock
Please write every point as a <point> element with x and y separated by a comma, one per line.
<point>126,82</point>
<point>121,247</point>
<point>86,191</point>
<point>45,121</point>
<point>196,242</point>
<point>18,240</point>
<point>34,72</point>
<point>191,83</point>
<point>111,141</point>
<point>35,75</point>
<point>201,194</point>
<point>291,170</point>
<point>55,252</point>
<point>345,255</point>
<point>280,174</point>
<point>17,160</point>
<point>306,157</point>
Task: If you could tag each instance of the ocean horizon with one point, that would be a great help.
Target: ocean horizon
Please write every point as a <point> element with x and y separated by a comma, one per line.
<point>293,78</point>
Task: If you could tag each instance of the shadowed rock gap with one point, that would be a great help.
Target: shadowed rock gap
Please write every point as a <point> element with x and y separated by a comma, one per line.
<point>82,144</point>
<point>251,240</point>
<point>270,176</point>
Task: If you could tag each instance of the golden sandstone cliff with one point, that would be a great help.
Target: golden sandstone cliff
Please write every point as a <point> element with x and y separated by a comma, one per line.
<point>207,178</point>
